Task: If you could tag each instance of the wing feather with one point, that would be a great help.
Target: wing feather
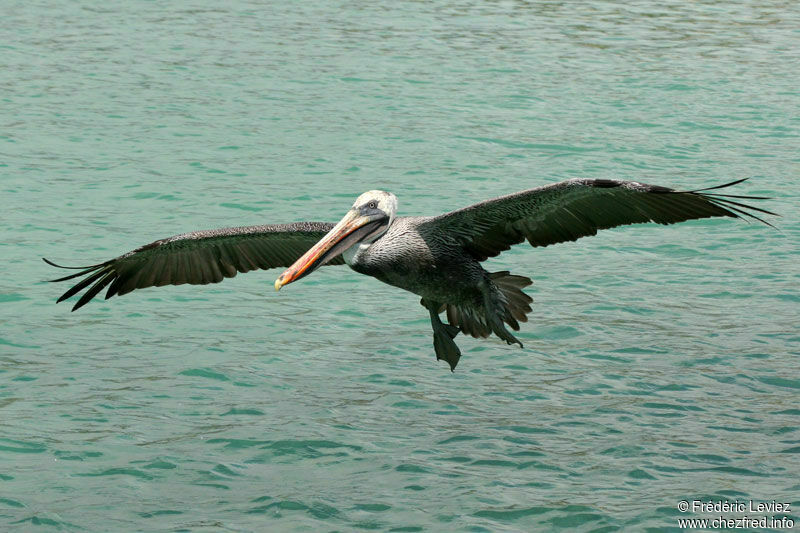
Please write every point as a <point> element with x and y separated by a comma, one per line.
<point>576,208</point>
<point>197,258</point>
<point>94,289</point>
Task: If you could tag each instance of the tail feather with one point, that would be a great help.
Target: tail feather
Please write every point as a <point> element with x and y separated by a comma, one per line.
<point>517,303</point>
<point>512,307</point>
<point>468,321</point>
<point>506,278</point>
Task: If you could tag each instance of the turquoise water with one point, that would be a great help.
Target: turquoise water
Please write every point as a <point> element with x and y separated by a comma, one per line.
<point>660,363</point>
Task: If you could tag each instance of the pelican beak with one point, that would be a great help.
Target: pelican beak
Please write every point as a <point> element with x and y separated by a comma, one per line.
<point>340,238</point>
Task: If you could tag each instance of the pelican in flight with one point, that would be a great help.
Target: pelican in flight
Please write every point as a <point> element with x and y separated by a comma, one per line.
<point>437,258</point>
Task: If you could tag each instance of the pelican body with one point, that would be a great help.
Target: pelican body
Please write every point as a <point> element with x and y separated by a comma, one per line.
<point>438,258</point>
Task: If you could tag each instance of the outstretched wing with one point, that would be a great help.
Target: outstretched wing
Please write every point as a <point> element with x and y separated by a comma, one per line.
<point>571,209</point>
<point>198,258</point>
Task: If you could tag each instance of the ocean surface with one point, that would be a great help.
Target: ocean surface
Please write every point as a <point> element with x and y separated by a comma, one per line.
<point>660,363</point>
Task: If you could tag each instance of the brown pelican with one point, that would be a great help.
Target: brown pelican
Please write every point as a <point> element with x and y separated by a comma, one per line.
<point>438,258</point>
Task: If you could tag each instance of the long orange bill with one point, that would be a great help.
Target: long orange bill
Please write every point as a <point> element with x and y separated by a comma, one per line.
<point>319,254</point>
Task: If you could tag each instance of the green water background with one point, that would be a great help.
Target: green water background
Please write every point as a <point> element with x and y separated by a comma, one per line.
<point>660,363</point>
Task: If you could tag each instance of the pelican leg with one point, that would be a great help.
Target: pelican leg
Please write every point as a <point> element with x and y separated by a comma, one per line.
<point>443,335</point>
<point>499,329</point>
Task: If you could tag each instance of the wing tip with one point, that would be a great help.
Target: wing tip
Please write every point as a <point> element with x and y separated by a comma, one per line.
<point>736,208</point>
<point>51,263</point>
<point>722,186</point>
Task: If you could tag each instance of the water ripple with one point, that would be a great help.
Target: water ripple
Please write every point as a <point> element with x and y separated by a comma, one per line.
<point>659,362</point>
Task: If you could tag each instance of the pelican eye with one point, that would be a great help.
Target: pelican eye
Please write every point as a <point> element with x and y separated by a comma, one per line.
<point>373,205</point>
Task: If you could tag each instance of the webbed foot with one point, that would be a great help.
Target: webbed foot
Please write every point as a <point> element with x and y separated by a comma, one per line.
<point>444,346</point>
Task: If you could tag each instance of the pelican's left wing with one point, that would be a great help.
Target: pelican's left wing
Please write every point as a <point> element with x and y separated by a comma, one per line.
<point>198,258</point>
<point>571,209</point>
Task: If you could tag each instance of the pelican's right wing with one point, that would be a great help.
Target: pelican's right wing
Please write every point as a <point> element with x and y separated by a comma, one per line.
<point>571,209</point>
<point>198,258</point>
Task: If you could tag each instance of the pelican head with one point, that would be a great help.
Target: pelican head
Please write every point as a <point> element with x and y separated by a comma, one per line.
<point>369,218</point>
